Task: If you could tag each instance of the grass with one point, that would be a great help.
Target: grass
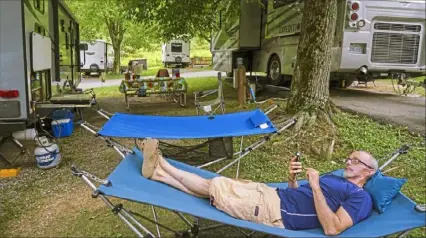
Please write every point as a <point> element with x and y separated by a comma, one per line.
<point>55,203</point>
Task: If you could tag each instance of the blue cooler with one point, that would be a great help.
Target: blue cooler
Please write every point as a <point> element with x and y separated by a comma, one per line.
<point>62,127</point>
<point>62,114</point>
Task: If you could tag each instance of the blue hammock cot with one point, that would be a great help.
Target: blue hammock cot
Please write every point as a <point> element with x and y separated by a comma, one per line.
<point>237,124</point>
<point>254,122</point>
<point>126,182</point>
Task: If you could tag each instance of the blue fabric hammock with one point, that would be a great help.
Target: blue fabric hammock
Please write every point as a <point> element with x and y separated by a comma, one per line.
<point>128,183</point>
<point>188,127</point>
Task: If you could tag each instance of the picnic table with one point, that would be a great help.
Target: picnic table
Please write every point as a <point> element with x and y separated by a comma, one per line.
<point>174,87</point>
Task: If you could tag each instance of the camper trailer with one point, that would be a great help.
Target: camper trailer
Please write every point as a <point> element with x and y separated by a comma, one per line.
<point>96,57</point>
<point>176,53</point>
<point>38,51</point>
<point>372,39</point>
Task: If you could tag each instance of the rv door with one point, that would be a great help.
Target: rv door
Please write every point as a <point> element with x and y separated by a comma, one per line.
<point>109,57</point>
<point>83,48</point>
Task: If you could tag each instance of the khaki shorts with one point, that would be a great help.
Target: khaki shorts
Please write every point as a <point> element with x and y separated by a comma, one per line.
<point>246,200</point>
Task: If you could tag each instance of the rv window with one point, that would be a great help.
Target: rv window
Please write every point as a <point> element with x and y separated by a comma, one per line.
<point>39,5</point>
<point>280,3</point>
<point>176,47</point>
<point>84,47</point>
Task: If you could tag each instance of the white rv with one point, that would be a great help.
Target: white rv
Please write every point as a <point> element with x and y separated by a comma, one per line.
<point>96,57</point>
<point>39,48</point>
<point>372,39</point>
<point>176,52</point>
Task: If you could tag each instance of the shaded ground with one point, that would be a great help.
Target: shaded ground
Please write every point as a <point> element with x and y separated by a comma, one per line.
<point>388,87</point>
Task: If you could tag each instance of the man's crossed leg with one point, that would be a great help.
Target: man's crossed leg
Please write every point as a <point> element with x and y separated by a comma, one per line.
<point>242,199</point>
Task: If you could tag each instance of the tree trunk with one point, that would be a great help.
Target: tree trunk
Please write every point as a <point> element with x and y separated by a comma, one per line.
<point>310,101</point>
<point>310,94</point>
<point>117,58</point>
<point>116,32</point>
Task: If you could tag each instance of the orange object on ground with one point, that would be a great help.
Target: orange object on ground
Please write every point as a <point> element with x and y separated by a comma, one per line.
<point>4,173</point>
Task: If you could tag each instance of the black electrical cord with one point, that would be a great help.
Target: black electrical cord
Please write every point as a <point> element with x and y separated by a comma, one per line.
<point>55,139</point>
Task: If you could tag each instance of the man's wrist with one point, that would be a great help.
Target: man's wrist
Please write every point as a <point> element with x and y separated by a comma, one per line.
<point>316,187</point>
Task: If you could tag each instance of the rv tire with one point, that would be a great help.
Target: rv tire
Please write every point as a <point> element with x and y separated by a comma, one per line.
<point>230,74</point>
<point>274,71</point>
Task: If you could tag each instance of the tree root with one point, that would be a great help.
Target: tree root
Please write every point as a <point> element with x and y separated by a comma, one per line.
<point>319,129</point>
<point>333,108</point>
<point>307,120</point>
<point>300,117</point>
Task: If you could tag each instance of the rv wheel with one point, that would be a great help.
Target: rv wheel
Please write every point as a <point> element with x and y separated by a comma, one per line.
<point>230,74</point>
<point>274,70</point>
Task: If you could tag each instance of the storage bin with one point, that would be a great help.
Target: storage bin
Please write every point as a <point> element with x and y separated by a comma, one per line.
<point>62,127</point>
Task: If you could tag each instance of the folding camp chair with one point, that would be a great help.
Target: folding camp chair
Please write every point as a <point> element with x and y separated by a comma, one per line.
<point>208,106</point>
<point>126,182</point>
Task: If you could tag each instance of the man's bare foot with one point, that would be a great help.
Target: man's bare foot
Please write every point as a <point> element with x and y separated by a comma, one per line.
<point>151,156</point>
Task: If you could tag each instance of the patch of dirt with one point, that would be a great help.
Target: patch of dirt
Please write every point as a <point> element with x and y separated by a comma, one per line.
<point>379,86</point>
<point>49,217</point>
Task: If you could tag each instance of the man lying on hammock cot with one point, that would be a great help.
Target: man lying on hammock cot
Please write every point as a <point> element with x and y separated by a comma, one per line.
<point>332,202</point>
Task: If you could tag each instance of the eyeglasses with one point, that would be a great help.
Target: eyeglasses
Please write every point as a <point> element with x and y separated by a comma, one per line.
<point>357,161</point>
